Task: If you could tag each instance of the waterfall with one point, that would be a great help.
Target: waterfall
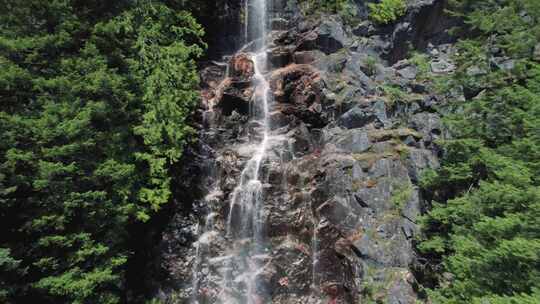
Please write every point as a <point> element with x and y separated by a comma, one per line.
<point>246,256</point>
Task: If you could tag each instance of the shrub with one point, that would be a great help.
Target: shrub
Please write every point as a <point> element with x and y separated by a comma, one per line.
<point>401,194</point>
<point>394,94</point>
<point>370,63</point>
<point>387,11</point>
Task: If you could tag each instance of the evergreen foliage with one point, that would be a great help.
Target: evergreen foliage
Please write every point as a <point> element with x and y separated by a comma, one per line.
<point>94,101</point>
<point>482,235</point>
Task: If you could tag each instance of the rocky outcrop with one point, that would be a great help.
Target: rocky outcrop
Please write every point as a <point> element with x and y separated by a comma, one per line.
<point>351,133</point>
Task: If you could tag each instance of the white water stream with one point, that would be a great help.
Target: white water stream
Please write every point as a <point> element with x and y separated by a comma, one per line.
<point>246,256</point>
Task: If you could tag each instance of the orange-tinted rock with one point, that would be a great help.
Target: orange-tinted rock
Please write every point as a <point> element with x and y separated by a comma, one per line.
<point>241,66</point>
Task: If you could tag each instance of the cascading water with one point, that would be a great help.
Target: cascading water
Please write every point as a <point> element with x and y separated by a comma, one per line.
<point>299,198</point>
<point>244,228</point>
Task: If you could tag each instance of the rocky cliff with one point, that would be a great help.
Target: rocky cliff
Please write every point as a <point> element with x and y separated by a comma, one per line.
<point>351,125</point>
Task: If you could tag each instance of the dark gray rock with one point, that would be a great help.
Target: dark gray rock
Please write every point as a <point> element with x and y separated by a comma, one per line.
<point>332,36</point>
<point>356,118</point>
<point>425,22</point>
<point>363,29</point>
<point>408,72</point>
<point>279,57</point>
<point>329,37</point>
<point>354,141</point>
<point>279,24</point>
<point>380,110</point>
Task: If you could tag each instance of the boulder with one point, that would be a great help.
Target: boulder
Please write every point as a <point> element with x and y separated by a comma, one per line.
<point>279,57</point>
<point>442,66</point>
<point>305,57</point>
<point>279,24</point>
<point>241,66</point>
<point>354,141</point>
<point>363,29</point>
<point>298,89</point>
<point>408,72</point>
<point>329,37</point>
<point>356,118</point>
<point>232,100</point>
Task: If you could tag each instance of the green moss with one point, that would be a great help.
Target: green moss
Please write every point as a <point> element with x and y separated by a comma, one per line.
<point>394,94</point>
<point>396,134</point>
<point>421,61</point>
<point>387,11</point>
<point>403,150</point>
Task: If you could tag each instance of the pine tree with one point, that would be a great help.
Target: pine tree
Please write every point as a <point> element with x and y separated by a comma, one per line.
<point>482,235</point>
<point>94,102</point>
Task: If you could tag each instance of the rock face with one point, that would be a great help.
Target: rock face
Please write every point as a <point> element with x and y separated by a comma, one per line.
<point>339,175</point>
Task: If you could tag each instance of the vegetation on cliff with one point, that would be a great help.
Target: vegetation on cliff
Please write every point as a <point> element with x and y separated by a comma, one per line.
<point>387,11</point>
<point>482,235</point>
<point>95,97</point>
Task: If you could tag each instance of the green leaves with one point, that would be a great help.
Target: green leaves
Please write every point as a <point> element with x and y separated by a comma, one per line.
<point>95,105</point>
<point>484,234</point>
<point>387,11</point>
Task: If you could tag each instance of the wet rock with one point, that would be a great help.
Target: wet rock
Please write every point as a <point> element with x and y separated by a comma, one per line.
<point>278,119</point>
<point>334,274</point>
<point>295,84</point>
<point>279,24</point>
<point>307,41</point>
<point>279,57</point>
<point>234,99</point>
<point>337,210</point>
<point>241,66</point>
<point>301,142</point>
<point>305,57</point>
